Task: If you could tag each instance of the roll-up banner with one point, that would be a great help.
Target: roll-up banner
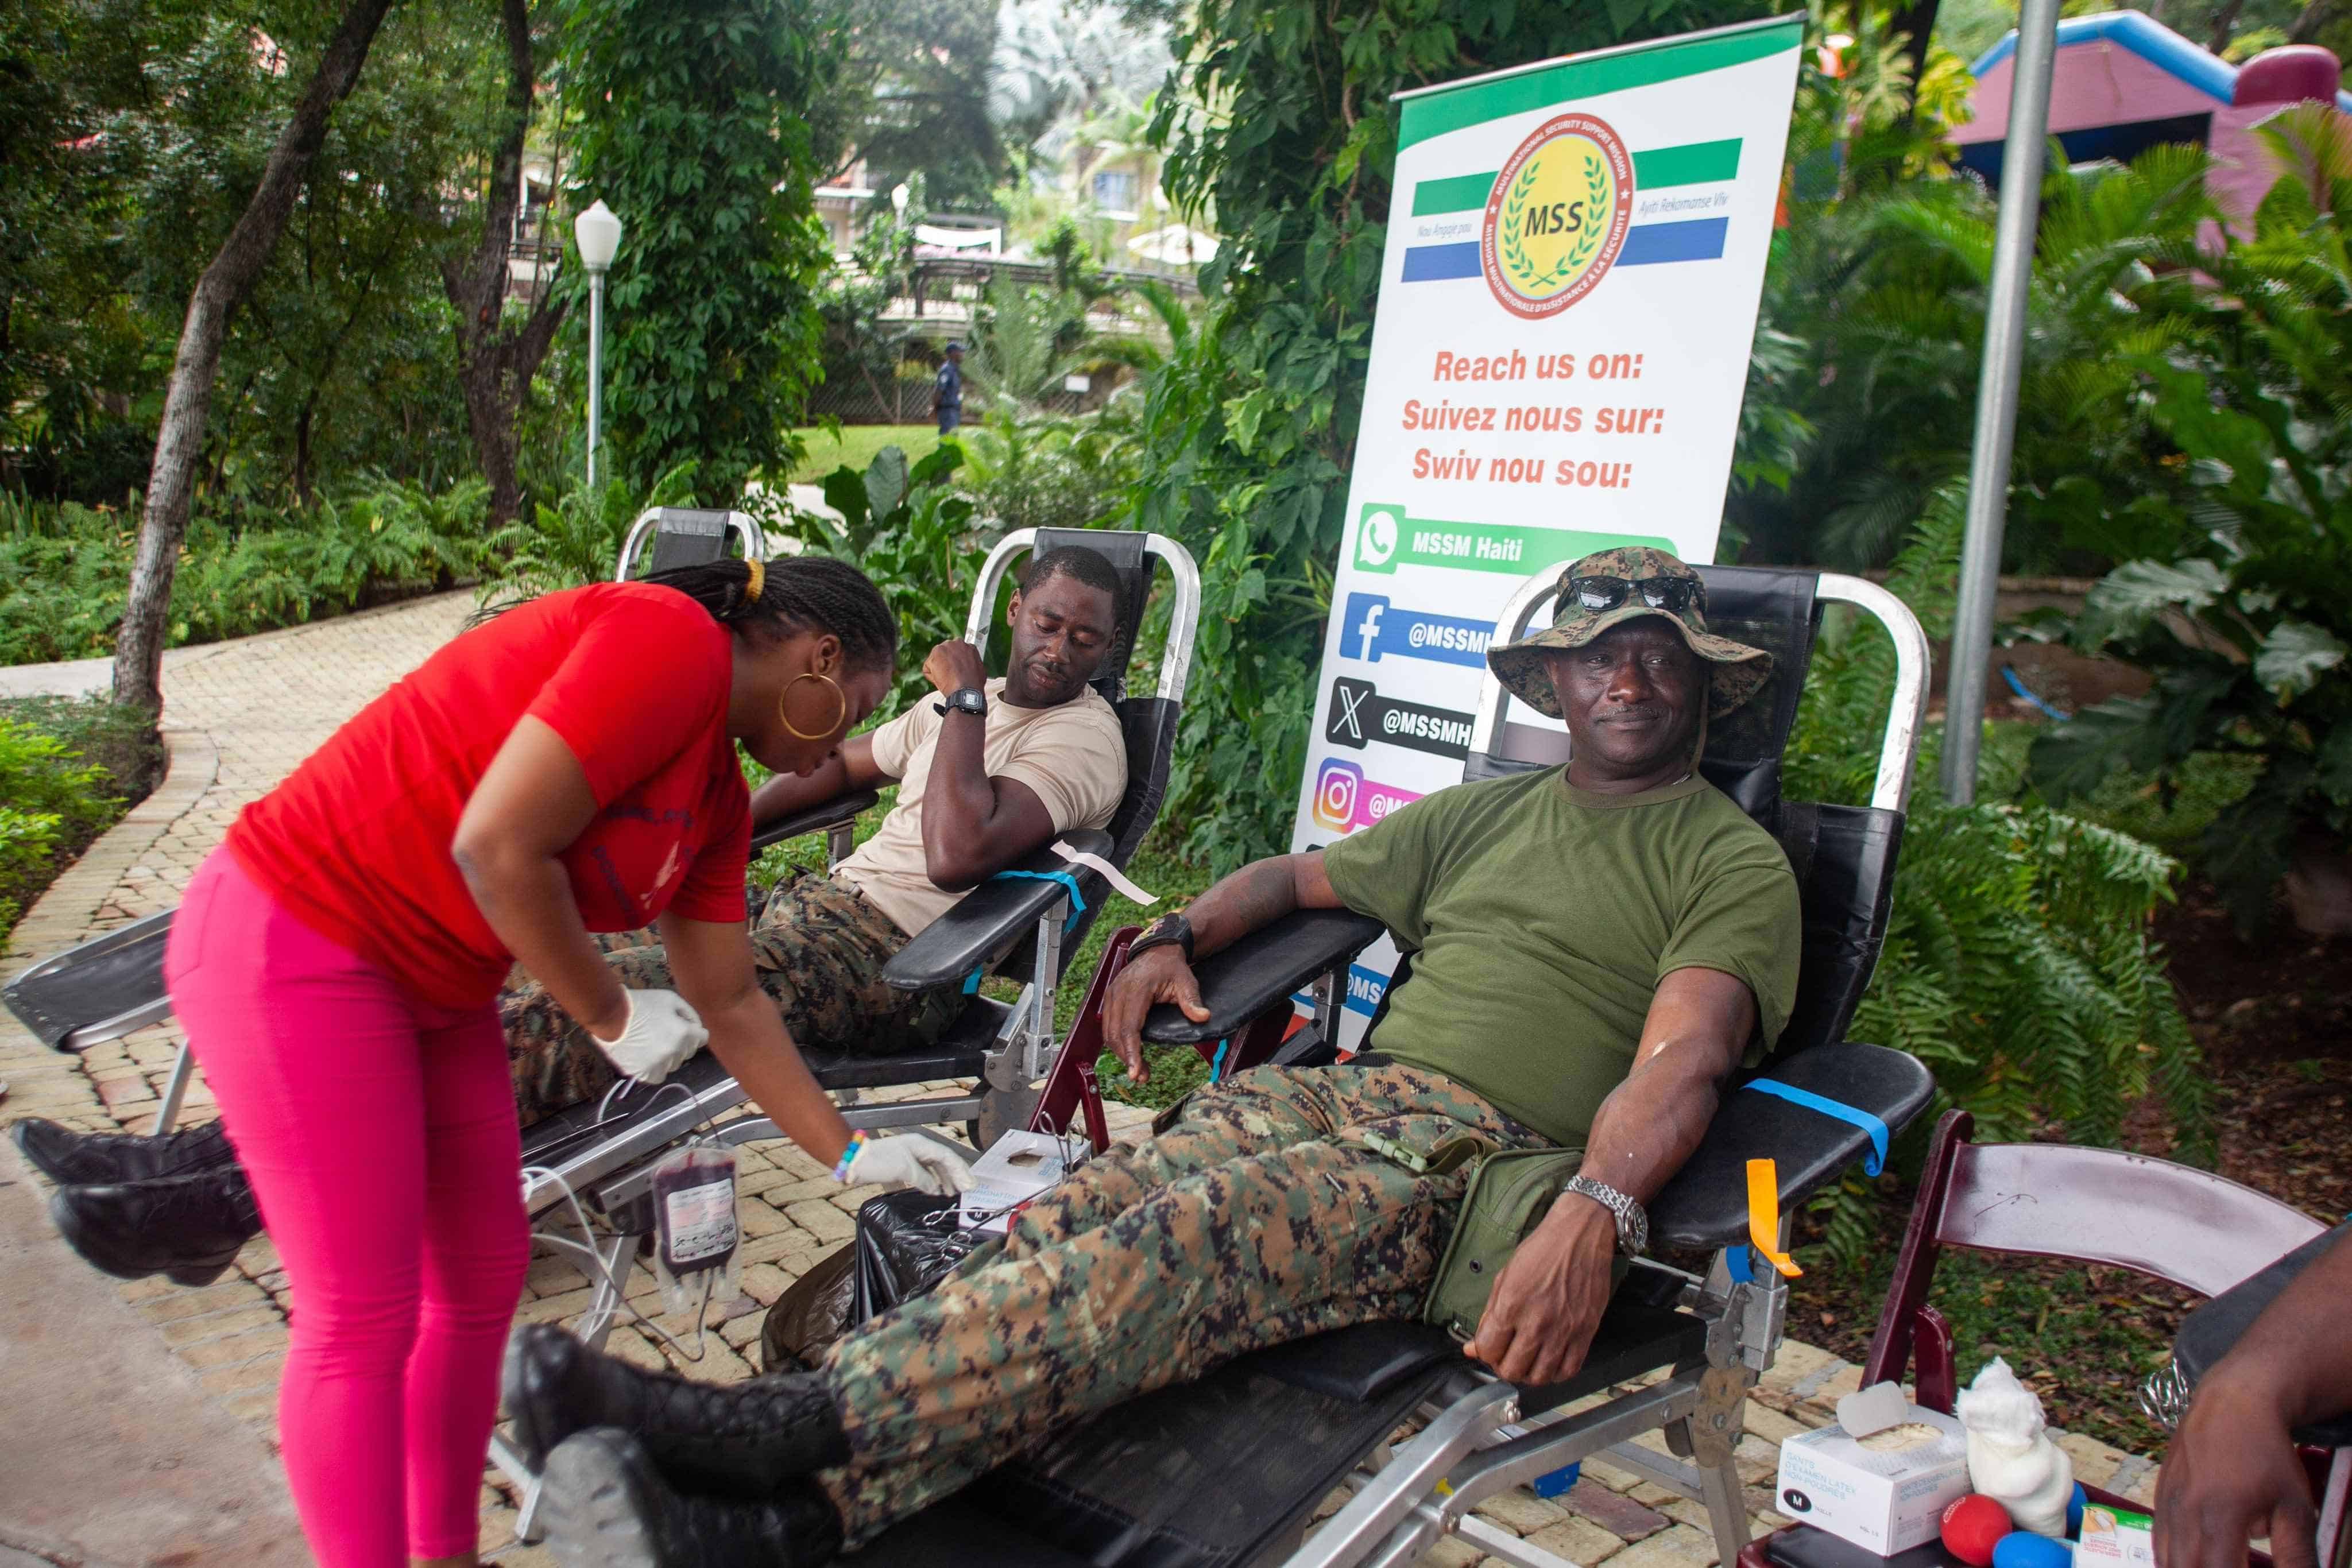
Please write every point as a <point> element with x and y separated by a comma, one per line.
<point>1568,298</point>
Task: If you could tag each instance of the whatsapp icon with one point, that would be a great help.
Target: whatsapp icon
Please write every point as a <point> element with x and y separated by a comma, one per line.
<point>1378,528</point>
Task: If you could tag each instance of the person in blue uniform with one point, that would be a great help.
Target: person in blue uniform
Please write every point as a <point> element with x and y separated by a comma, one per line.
<point>947,397</point>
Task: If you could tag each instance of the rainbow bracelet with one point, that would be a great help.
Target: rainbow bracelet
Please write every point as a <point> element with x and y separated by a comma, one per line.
<point>848,1155</point>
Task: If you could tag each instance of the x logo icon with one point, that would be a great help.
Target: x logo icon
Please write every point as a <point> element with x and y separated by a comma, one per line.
<point>1349,698</point>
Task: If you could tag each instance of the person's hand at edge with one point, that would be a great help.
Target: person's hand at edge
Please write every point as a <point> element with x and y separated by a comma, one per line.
<point>2231,1474</point>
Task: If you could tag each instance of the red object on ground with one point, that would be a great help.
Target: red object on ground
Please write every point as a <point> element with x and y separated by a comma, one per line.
<point>1973,1526</point>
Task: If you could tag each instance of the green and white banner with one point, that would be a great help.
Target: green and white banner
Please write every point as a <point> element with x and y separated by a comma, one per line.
<point>1575,252</point>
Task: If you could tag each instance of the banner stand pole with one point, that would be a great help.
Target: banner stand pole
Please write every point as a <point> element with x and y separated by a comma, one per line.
<point>1996,433</point>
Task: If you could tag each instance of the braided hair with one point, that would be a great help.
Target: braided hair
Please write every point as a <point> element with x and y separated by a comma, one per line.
<point>800,593</point>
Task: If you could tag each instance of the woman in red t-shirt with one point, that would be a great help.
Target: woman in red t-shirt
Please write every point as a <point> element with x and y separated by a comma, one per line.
<point>567,767</point>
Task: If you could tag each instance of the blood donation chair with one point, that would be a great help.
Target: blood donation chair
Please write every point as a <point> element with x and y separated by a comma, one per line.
<point>1228,1470</point>
<point>105,988</point>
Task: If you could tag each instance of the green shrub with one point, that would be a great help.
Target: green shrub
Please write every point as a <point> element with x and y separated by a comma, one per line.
<point>2245,620</point>
<point>913,534</point>
<point>53,800</point>
<point>577,539</point>
<point>2017,964</point>
<point>64,569</point>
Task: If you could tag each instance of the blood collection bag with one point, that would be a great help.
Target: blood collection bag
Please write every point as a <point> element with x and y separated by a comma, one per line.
<point>696,1236</point>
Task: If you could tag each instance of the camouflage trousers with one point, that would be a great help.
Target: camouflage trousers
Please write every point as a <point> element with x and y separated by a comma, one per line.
<point>1264,1211</point>
<point>819,948</point>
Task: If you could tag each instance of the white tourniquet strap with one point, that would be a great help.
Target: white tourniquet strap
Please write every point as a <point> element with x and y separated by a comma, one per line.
<point>1109,872</point>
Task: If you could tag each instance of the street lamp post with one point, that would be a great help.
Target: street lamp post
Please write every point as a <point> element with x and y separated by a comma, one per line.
<point>1996,385</point>
<point>598,233</point>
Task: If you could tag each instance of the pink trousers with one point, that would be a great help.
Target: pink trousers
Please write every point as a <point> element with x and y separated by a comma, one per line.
<point>379,1135</point>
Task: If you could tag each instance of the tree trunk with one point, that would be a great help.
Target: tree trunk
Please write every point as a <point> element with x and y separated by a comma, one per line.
<point>1917,20</point>
<point>496,362</point>
<point>2313,17</point>
<point>187,401</point>
<point>2225,22</point>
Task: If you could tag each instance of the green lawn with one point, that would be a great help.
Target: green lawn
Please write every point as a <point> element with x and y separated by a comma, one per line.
<point>857,445</point>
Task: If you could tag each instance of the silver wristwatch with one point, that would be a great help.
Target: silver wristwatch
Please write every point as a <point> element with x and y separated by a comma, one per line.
<point>1632,1224</point>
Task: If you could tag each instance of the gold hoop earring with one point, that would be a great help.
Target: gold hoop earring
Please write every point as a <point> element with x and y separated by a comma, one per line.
<point>784,713</point>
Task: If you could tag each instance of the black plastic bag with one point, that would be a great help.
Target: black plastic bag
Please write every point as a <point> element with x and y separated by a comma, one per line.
<point>907,1242</point>
<point>813,1312</point>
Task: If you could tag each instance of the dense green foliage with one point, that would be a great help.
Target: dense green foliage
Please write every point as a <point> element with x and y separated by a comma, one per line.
<point>905,526</point>
<point>687,116</point>
<point>67,769</point>
<point>123,170</point>
<point>63,568</point>
<point>2246,620</point>
<point>2017,964</point>
<point>1281,121</point>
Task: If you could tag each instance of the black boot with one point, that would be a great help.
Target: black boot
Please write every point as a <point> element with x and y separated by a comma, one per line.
<point>72,1158</point>
<point>606,1505</point>
<point>741,1439</point>
<point>188,1226</point>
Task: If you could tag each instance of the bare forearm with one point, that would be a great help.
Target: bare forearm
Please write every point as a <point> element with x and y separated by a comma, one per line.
<point>787,792</point>
<point>959,803</point>
<point>2298,1352</point>
<point>1258,894</point>
<point>1650,1125</point>
<point>527,900</point>
<point>751,1042</point>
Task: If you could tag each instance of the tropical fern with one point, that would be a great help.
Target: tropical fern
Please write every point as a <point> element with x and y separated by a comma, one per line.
<point>2017,964</point>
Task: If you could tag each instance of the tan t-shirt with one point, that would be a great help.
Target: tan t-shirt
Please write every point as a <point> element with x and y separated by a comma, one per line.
<point>1073,756</point>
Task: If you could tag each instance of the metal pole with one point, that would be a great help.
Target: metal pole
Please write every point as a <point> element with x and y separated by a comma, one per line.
<point>595,367</point>
<point>1996,437</point>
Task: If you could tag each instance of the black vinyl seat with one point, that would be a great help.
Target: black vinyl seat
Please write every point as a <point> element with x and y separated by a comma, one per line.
<point>1227,1469</point>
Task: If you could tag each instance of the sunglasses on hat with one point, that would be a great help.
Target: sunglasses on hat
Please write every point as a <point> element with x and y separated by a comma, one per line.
<point>1672,594</point>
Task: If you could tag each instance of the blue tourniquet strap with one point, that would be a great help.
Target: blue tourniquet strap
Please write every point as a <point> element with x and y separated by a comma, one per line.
<point>1217,1063</point>
<point>1067,879</point>
<point>1873,1162</point>
<point>1741,1262</point>
<point>971,981</point>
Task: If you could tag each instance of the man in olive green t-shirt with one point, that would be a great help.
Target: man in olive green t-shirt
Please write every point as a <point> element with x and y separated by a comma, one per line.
<point>1596,947</point>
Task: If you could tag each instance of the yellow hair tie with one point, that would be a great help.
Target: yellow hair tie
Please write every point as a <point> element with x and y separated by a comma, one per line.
<point>756,582</point>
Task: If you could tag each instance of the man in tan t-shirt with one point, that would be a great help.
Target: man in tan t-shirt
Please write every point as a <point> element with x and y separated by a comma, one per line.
<point>987,772</point>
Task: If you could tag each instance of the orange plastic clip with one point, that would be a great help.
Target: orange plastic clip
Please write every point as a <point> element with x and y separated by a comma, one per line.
<point>1764,1217</point>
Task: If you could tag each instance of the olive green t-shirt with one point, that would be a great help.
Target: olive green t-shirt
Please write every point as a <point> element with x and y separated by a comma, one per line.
<point>1542,918</point>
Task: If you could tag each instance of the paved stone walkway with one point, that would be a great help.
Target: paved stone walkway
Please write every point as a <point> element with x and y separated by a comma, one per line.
<point>238,716</point>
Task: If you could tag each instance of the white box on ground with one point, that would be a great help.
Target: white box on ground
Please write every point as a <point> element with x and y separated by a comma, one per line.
<point>1886,1492</point>
<point>1016,1168</point>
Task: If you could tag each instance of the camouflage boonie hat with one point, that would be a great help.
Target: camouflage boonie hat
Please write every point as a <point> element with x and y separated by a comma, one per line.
<point>1739,670</point>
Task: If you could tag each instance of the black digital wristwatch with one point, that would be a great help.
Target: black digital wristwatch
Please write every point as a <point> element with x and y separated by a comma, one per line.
<point>1169,930</point>
<point>964,699</point>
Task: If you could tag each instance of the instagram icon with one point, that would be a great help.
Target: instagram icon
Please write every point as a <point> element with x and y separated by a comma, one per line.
<point>1345,800</point>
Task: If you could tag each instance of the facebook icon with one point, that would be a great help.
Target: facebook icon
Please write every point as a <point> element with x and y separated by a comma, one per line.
<point>1372,626</point>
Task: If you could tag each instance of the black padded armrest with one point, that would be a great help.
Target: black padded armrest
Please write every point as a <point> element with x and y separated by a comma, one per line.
<point>1263,969</point>
<point>1707,1203</point>
<point>2213,1330</point>
<point>988,920</point>
<point>814,818</point>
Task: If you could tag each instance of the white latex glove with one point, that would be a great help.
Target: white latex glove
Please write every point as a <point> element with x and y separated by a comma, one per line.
<point>661,1033</point>
<point>909,1160</point>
